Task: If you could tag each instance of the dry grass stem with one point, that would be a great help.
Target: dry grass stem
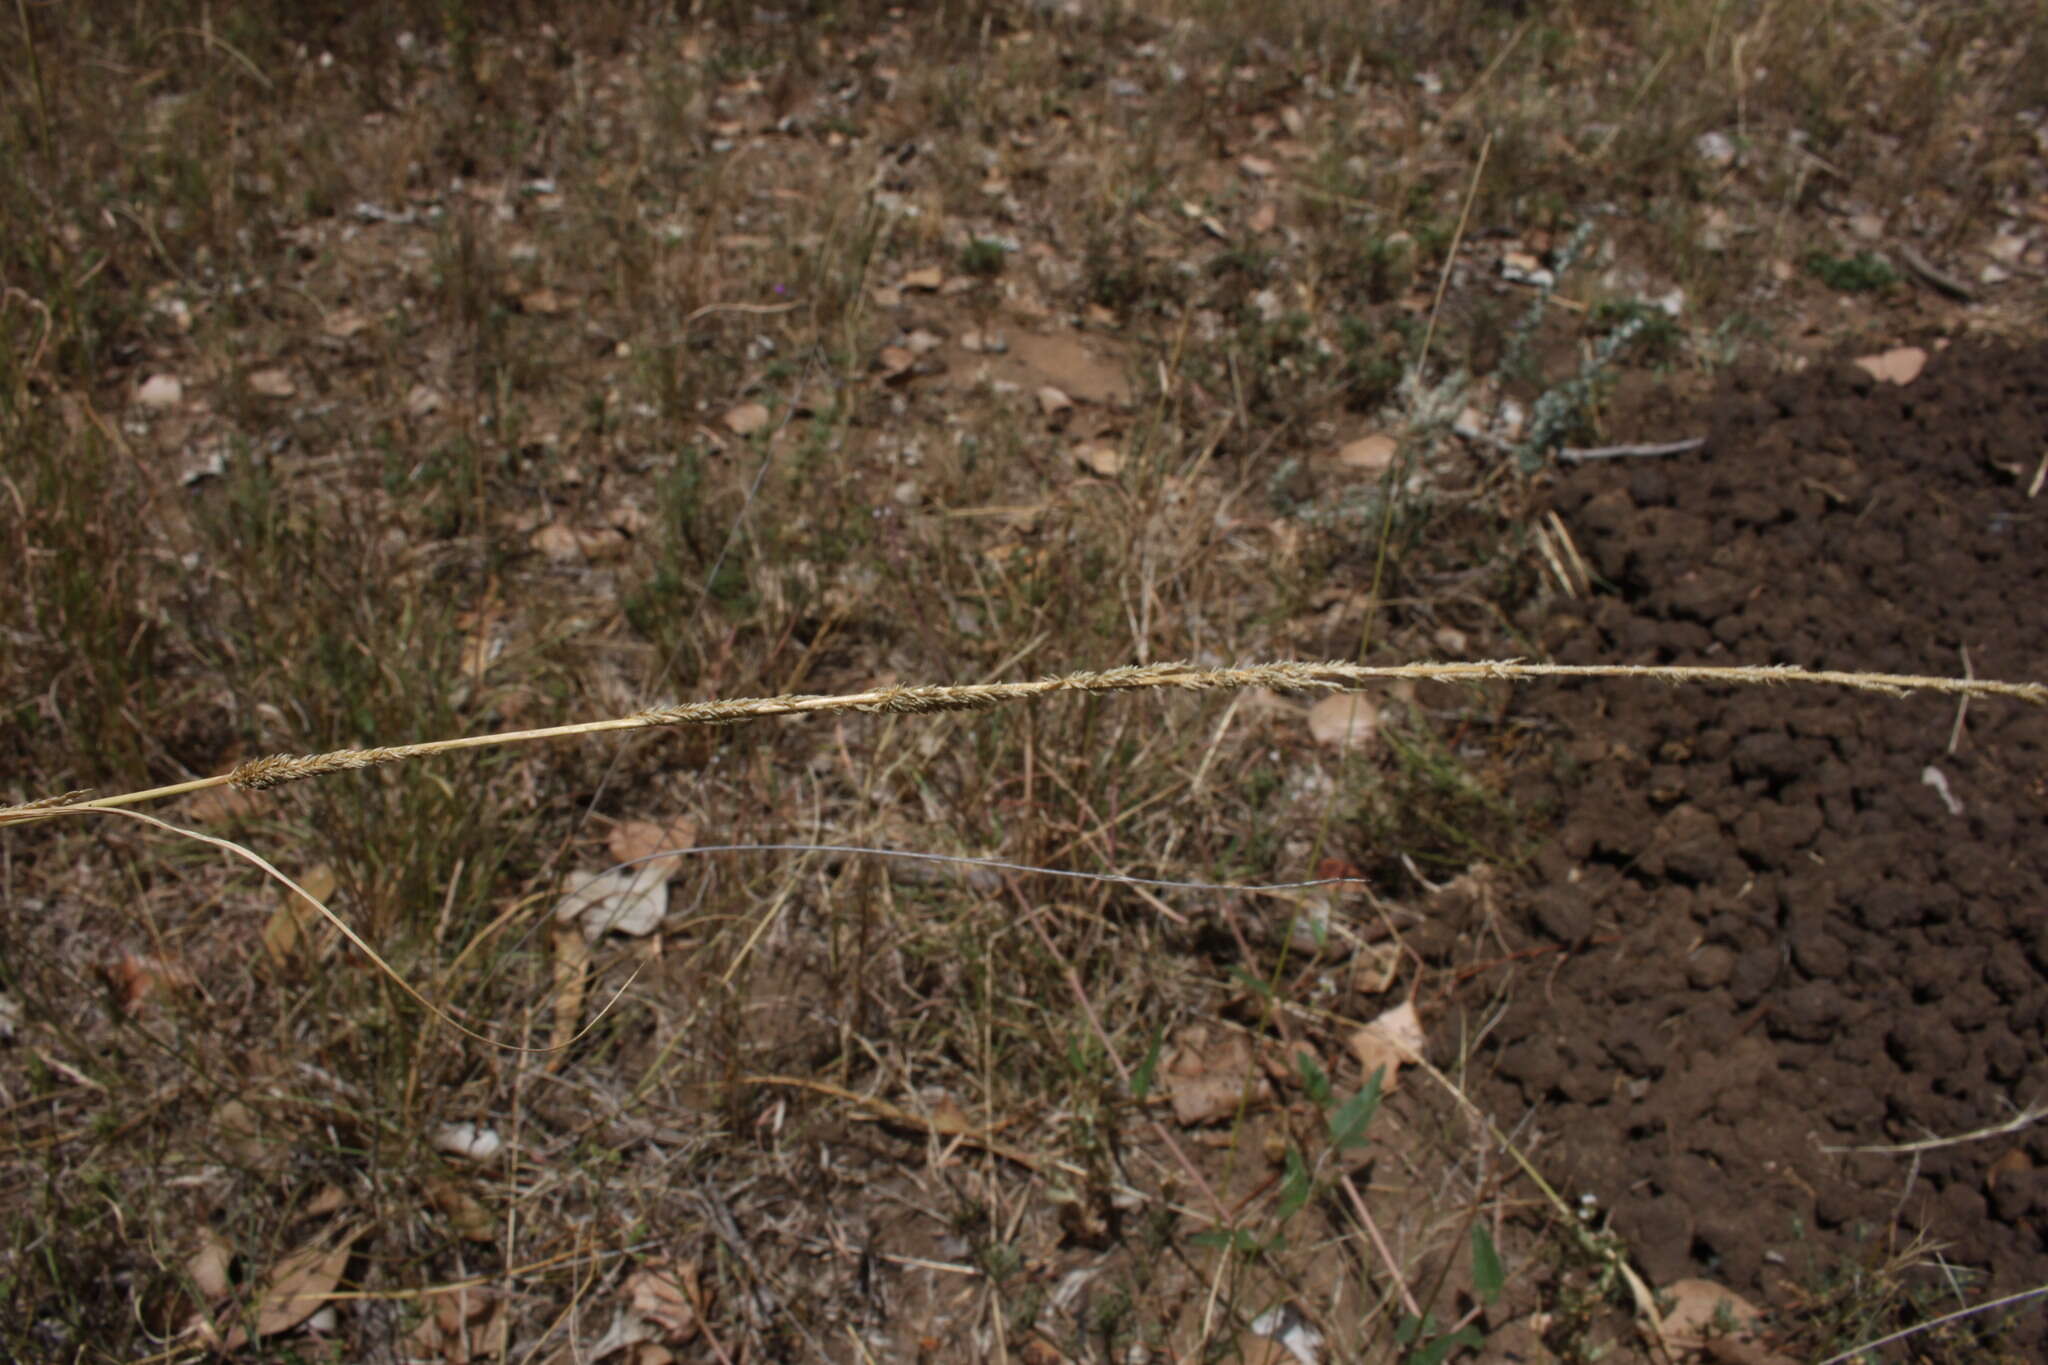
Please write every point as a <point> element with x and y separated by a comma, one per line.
<point>2026,1118</point>
<point>1860,1352</point>
<point>1291,675</point>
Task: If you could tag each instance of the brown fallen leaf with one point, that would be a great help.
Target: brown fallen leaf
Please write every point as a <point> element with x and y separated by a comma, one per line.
<point>1369,454</point>
<point>565,544</point>
<point>1208,1079</point>
<point>1388,1043</point>
<point>465,1213</point>
<point>1344,720</point>
<point>467,1324</point>
<point>134,977</point>
<point>927,278</point>
<point>207,1267</point>
<point>895,362</point>
<point>1704,1316</point>
<point>422,400</point>
<point>544,302</point>
<point>947,1118</point>
<point>667,1294</point>
<point>1374,967</point>
<point>1900,365</point>
<point>1331,868</point>
<point>239,1134</point>
<point>571,971</point>
<point>1100,458</point>
<point>746,419</point>
<point>635,839</point>
<point>626,900</point>
<point>272,383</point>
<point>293,933</point>
<point>298,1285</point>
<point>2013,1164</point>
<point>344,323</point>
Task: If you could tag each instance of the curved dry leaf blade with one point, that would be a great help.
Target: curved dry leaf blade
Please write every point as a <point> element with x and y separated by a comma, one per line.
<point>298,1287</point>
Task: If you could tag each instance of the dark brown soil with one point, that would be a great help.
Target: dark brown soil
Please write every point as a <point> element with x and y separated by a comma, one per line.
<point>1780,939</point>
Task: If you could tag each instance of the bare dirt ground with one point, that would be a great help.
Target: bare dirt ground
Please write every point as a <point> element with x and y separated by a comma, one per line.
<point>391,372</point>
<point>1794,1015</point>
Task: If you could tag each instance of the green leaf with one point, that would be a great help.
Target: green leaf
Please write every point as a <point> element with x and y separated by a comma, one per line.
<point>1294,1191</point>
<point>1239,1240</point>
<point>1252,983</point>
<point>1437,1350</point>
<point>1488,1276</point>
<point>1141,1080</point>
<point>1312,1077</point>
<point>1348,1124</point>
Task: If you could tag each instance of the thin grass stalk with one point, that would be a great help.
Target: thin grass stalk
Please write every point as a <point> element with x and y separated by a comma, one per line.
<point>1292,675</point>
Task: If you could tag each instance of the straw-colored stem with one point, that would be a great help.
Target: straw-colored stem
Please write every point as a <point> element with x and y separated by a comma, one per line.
<point>261,773</point>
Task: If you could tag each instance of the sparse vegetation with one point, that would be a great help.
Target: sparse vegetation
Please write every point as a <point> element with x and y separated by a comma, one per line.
<point>374,375</point>
<point>1863,273</point>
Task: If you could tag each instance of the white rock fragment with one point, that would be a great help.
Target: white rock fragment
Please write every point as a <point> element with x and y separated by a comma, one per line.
<point>1286,1325</point>
<point>1715,148</point>
<point>469,1140</point>
<point>160,391</point>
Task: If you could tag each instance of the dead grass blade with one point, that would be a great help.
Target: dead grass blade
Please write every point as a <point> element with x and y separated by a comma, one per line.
<point>264,865</point>
<point>1290,675</point>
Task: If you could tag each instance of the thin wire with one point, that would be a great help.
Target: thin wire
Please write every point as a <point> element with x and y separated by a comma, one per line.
<point>996,863</point>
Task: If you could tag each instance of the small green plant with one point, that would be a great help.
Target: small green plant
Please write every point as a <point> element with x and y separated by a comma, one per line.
<point>1515,360</point>
<point>1863,273</point>
<point>983,258</point>
<point>1348,1122</point>
<point>1563,408</point>
<point>1431,1343</point>
<point>1658,333</point>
